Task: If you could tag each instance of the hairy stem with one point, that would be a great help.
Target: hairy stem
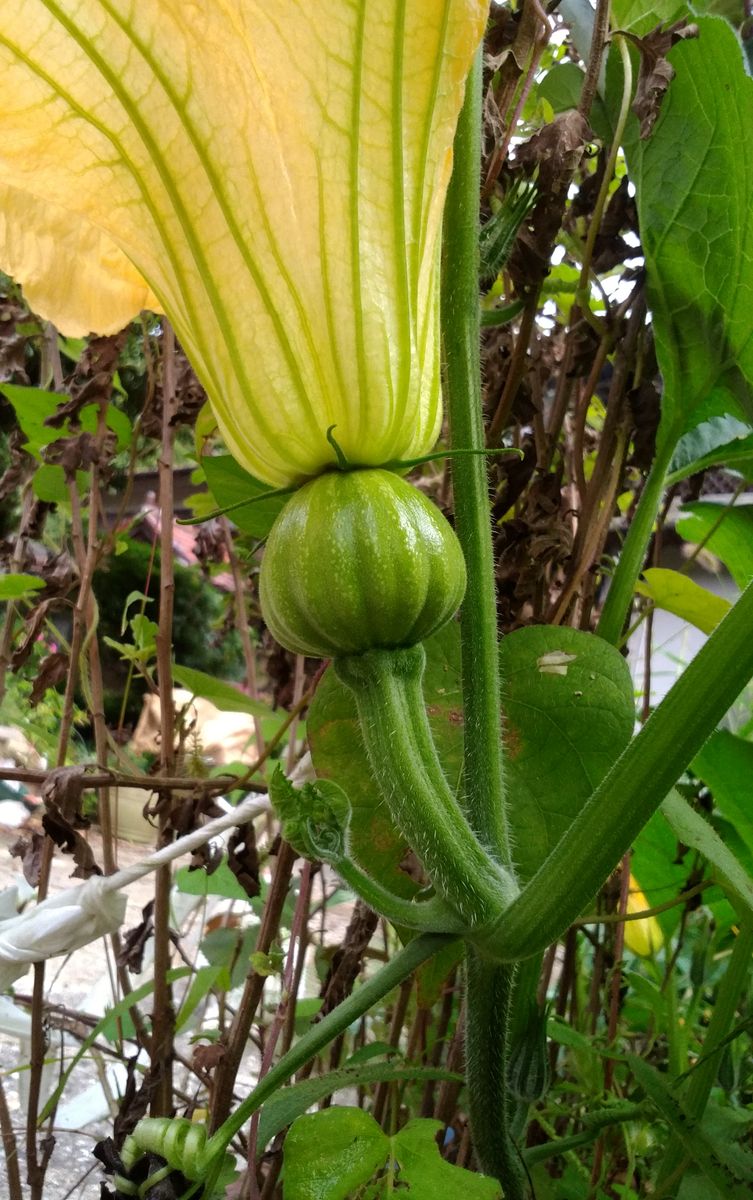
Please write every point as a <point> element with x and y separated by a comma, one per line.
<point>621,589</point>
<point>483,778</point>
<point>386,685</point>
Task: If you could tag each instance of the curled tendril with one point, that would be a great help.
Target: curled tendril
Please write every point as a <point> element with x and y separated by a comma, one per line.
<point>314,818</point>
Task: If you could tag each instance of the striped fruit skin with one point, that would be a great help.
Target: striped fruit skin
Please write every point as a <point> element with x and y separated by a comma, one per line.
<point>359,560</point>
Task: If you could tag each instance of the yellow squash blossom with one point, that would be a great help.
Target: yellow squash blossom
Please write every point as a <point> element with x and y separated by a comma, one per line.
<point>644,936</point>
<point>268,173</point>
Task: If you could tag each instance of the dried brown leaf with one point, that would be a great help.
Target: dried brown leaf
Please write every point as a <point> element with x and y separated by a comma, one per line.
<point>656,71</point>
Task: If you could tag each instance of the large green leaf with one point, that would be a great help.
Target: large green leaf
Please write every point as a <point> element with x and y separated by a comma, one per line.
<point>338,753</point>
<point>569,712</point>
<point>694,183</point>
<point>330,1154</point>
<point>726,532</point>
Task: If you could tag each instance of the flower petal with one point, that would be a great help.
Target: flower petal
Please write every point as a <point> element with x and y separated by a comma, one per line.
<point>276,173</point>
<point>73,274</point>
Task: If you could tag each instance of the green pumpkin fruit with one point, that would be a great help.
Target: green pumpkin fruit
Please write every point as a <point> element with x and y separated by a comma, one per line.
<point>359,560</point>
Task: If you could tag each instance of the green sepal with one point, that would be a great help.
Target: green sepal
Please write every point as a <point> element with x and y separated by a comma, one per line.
<point>314,818</point>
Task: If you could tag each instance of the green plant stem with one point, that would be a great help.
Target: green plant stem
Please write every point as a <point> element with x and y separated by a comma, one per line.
<point>386,685</point>
<point>490,988</point>
<point>613,816</point>
<point>325,1031</point>
<point>489,996</point>
<point>431,915</point>
<point>621,589</point>
<point>703,1075</point>
<point>596,1123</point>
<point>484,785</point>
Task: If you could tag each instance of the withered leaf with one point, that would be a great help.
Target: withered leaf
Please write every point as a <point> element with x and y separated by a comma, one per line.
<point>135,940</point>
<point>52,670</point>
<point>553,153</point>
<point>208,1055</point>
<point>33,625</point>
<point>61,792</point>
<point>63,787</point>
<point>656,72</point>
<point>29,850</point>
<point>92,379</point>
<point>243,859</point>
<point>79,452</point>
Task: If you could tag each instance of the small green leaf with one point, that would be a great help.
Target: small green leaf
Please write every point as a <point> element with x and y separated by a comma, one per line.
<point>424,1175</point>
<point>14,587</point>
<point>230,484</point>
<point>720,441</point>
<point>679,594</point>
<point>695,831</point>
<point>223,696</point>
<point>731,539</point>
<point>221,882</point>
<point>48,483</point>
<point>290,1102</point>
<point>330,1154</point>
<point>562,87</point>
<point>32,406</point>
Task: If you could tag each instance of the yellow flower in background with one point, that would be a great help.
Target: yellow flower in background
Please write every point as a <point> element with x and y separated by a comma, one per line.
<point>644,937</point>
<point>268,173</point>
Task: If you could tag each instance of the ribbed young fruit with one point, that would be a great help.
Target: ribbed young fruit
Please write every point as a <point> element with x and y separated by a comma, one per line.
<point>359,560</point>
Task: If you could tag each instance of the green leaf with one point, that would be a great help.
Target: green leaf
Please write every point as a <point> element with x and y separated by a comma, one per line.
<point>332,1153</point>
<point>721,440</point>
<point>679,594</point>
<point>14,587</point>
<point>32,406</point>
<point>640,18</point>
<point>229,483</point>
<point>720,1178</point>
<point>562,87</point>
<point>290,1102</point>
<point>694,830</point>
<point>221,882</point>
<point>424,1174</point>
<point>732,537</point>
<point>569,712</point>
<point>48,483</point>
<point>338,753</point>
<point>223,696</point>
<point>115,419</point>
<point>696,221</point>
<point>725,764</point>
